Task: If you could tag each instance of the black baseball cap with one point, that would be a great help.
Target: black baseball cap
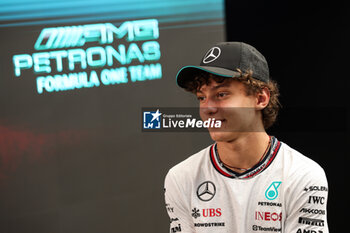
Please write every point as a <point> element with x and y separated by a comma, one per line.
<point>223,59</point>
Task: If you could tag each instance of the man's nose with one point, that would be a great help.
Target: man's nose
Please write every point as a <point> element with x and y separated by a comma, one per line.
<point>209,108</point>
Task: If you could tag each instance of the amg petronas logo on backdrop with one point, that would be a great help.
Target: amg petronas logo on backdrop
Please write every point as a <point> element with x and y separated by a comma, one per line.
<point>92,55</point>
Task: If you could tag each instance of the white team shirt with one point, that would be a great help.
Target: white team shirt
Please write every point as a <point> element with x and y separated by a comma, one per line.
<point>286,192</point>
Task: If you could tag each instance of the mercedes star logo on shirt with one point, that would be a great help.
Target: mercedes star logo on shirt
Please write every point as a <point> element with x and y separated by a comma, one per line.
<point>212,55</point>
<point>206,191</point>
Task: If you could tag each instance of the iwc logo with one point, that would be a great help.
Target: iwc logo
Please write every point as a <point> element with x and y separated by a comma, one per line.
<point>206,191</point>
<point>211,55</point>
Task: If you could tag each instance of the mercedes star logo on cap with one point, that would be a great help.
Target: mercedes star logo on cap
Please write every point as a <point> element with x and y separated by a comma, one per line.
<point>212,55</point>
<point>206,191</point>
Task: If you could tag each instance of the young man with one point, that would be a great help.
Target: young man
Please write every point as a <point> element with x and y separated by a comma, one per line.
<point>247,181</point>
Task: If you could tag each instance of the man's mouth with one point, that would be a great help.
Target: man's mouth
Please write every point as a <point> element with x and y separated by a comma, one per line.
<point>222,120</point>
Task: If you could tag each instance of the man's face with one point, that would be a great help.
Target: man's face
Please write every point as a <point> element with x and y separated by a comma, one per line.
<point>229,103</point>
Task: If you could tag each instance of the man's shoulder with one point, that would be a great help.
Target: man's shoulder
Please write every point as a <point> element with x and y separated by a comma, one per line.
<point>299,165</point>
<point>191,165</point>
<point>303,179</point>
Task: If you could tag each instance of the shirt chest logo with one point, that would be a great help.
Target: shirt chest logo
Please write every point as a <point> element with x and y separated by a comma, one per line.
<point>206,191</point>
<point>271,192</point>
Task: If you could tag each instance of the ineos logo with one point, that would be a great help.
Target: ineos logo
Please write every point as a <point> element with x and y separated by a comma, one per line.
<point>206,191</point>
<point>212,55</point>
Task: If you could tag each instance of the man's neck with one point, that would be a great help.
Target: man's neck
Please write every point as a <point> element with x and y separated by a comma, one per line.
<point>243,152</point>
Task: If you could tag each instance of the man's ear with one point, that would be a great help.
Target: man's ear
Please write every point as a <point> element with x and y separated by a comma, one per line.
<point>262,98</point>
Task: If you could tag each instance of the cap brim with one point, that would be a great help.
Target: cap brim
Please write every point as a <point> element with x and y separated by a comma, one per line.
<point>187,73</point>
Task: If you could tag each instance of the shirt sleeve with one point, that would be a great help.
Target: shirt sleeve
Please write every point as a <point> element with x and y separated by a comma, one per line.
<point>176,206</point>
<point>307,204</point>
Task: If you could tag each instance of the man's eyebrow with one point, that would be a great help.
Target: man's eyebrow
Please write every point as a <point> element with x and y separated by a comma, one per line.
<point>225,84</point>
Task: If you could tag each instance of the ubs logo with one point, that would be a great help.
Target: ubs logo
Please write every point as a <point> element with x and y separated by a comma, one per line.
<point>210,212</point>
<point>206,191</point>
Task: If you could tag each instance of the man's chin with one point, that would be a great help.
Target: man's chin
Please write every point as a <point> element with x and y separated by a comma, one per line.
<point>221,136</point>
<point>225,136</point>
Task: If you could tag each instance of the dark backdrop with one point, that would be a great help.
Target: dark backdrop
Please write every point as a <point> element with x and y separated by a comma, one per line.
<point>305,45</point>
<point>77,161</point>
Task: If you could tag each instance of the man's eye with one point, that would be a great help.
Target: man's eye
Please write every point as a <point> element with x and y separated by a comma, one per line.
<point>200,98</point>
<point>222,94</point>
